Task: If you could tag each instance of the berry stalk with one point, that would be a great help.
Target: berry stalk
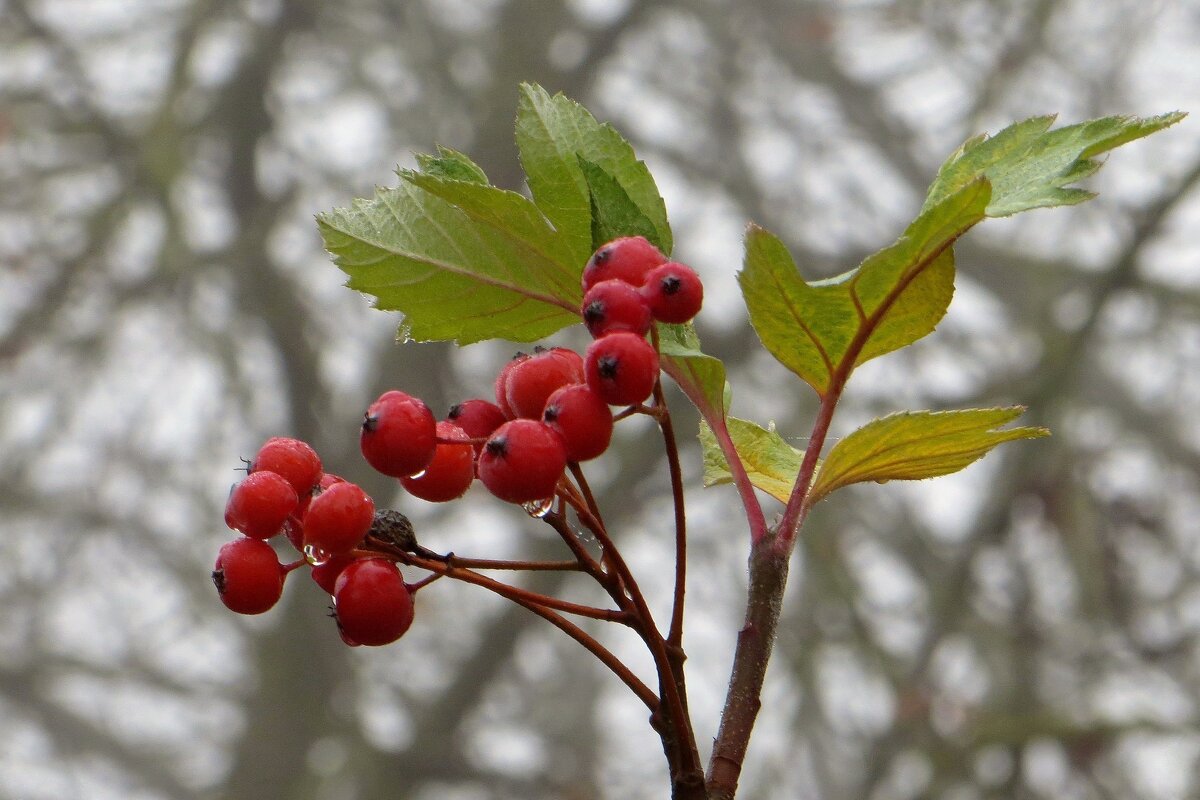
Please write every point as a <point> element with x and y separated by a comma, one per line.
<point>678,737</point>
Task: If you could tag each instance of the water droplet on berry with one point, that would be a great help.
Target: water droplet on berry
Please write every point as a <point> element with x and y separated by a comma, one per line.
<point>538,508</point>
<point>315,555</point>
<point>416,475</point>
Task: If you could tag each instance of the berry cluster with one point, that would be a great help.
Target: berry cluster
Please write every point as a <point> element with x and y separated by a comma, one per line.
<point>628,284</point>
<point>551,409</point>
<point>326,519</point>
<point>551,406</point>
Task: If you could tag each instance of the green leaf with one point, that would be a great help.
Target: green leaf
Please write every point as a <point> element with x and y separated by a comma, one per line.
<point>519,223</point>
<point>614,214</point>
<point>917,444</point>
<point>467,261</point>
<point>461,260</point>
<point>771,463</point>
<point>700,376</point>
<point>553,134</point>
<point>451,164</point>
<point>822,330</point>
<point>1030,166</point>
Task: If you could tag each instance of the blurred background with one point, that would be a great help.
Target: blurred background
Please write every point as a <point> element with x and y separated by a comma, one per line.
<point>1029,628</point>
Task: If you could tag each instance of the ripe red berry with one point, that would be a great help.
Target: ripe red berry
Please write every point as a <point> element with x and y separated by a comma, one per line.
<point>326,573</point>
<point>626,259</point>
<point>293,529</point>
<point>522,461</point>
<point>291,458</point>
<point>326,480</point>
<point>477,418</point>
<point>371,602</point>
<point>534,379</point>
<point>501,387</point>
<point>248,576</point>
<point>451,471</point>
<point>674,292</point>
<point>622,368</point>
<point>398,433</point>
<point>615,305</point>
<point>338,518</point>
<point>582,419</point>
<point>260,504</point>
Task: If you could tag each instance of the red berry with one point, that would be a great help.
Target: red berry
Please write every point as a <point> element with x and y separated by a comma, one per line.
<point>260,504</point>
<point>522,461</point>
<point>674,292</point>
<point>293,529</point>
<point>451,471</point>
<point>582,419</point>
<point>371,602</point>
<point>398,433</point>
<point>291,458</point>
<point>615,306</point>
<point>622,368</point>
<point>326,480</point>
<point>501,387</point>
<point>627,259</point>
<point>248,576</point>
<point>534,379</point>
<point>326,573</point>
<point>338,518</point>
<point>477,418</point>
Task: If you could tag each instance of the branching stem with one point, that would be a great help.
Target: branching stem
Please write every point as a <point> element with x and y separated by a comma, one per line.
<point>685,758</point>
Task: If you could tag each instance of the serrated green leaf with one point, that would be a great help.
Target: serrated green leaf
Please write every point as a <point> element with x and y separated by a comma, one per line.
<point>771,463</point>
<point>519,222</point>
<point>822,330</point>
<point>699,375</point>
<point>614,214</point>
<point>1031,166</point>
<point>553,134</point>
<point>917,444</point>
<point>451,164</point>
<point>492,268</point>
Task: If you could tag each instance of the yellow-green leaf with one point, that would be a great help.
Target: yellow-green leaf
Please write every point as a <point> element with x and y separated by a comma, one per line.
<point>917,444</point>
<point>771,463</point>
<point>822,330</point>
<point>1030,166</point>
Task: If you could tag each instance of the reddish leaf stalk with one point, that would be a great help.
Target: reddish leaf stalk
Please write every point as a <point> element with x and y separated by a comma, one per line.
<point>797,507</point>
<point>715,417</point>
<point>741,479</point>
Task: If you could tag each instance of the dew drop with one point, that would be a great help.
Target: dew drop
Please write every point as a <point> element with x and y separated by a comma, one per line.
<point>315,556</point>
<point>538,508</point>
